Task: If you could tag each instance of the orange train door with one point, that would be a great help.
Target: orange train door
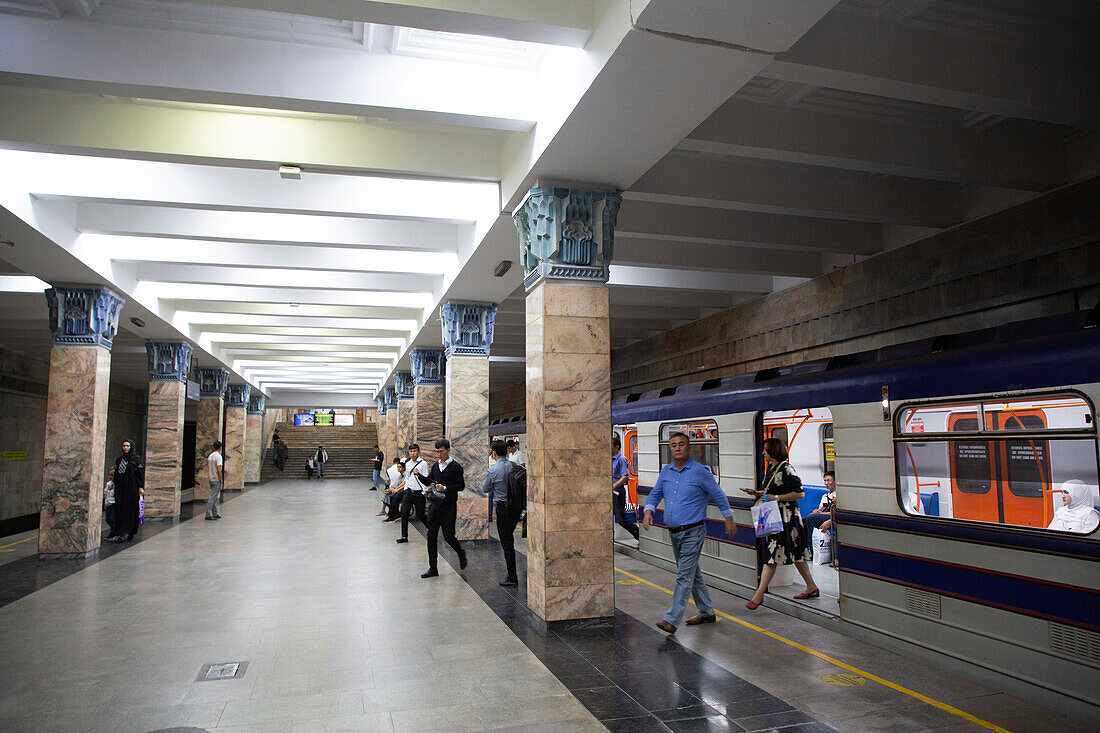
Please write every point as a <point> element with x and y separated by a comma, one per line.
<point>1024,470</point>
<point>973,494</point>
<point>630,443</point>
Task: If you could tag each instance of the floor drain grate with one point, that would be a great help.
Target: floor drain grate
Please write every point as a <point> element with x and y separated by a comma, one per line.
<point>222,671</point>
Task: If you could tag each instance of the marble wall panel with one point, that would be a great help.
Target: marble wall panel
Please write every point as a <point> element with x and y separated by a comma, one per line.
<point>467,427</point>
<point>570,541</point>
<point>253,448</point>
<point>208,429</point>
<point>406,426</point>
<point>472,522</point>
<point>429,415</point>
<point>391,448</point>
<point>73,454</point>
<point>236,425</point>
<point>164,449</point>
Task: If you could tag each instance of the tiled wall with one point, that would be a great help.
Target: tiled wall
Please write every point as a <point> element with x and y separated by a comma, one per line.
<point>125,419</point>
<point>23,382</point>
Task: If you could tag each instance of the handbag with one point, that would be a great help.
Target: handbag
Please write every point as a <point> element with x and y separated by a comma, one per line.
<point>766,518</point>
<point>823,547</point>
<point>141,510</point>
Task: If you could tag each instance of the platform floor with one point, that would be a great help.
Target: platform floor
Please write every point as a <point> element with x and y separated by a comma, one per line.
<point>303,583</point>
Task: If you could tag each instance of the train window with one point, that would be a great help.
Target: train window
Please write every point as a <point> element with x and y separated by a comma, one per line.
<point>999,461</point>
<point>704,442</point>
<point>808,435</point>
<point>632,452</point>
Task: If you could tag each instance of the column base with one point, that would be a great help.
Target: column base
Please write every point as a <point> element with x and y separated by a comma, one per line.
<point>89,555</point>
<point>472,522</point>
<point>600,622</point>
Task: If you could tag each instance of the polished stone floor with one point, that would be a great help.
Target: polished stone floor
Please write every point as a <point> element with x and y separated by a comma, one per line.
<point>303,583</point>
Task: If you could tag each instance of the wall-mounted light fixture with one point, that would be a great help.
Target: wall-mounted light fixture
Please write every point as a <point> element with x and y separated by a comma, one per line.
<point>292,172</point>
<point>502,268</point>
<point>138,322</point>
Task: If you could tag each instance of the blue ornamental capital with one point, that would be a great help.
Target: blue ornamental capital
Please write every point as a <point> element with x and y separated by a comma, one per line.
<point>84,316</point>
<point>256,403</point>
<point>168,361</point>
<point>467,328</point>
<point>391,398</point>
<point>427,366</point>
<point>212,381</point>
<point>566,234</point>
<point>238,395</point>
<point>403,384</point>
<point>380,403</point>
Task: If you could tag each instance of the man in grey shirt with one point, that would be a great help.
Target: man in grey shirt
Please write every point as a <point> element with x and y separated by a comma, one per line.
<point>495,487</point>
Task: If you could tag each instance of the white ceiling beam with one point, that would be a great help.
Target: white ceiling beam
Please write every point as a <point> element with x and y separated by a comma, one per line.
<point>670,222</point>
<point>154,290</point>
<point>169,65</point>
<point>267,227</point>
<point>199,330</point>
<point>746,184</point>
<point>72,122</point>
<point>720,257</point>
<point>666,278</point>
<point>889,146</point>
<point>1044,80</point>
<point>756,24</point>
<point>108,180</point>
<point>257,358</point>
<point>299,257</point>
<point>562,22</point>
<point>283,310</point>
<point>273,277</point>
<point>243,320</point>
<point>224,339</point>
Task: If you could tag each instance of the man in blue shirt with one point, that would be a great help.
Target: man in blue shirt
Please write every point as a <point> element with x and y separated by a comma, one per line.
<point>686,486</point>
<point>495,487</point>
<point>620,475</point>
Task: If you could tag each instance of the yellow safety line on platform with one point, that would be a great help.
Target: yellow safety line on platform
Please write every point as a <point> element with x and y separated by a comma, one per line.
<point>13,544</point>
<point>844,665</point>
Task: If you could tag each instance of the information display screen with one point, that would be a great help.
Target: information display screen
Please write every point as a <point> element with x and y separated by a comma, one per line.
<point>345,419</point>
<point>303,418</point>
<point>323,418</point>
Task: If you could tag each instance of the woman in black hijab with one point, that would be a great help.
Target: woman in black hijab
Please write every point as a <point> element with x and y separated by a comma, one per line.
<point>129,486</point>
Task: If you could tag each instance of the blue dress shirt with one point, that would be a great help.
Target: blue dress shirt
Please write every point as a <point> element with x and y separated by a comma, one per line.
<point>619,468</point>
<point>686,492</point>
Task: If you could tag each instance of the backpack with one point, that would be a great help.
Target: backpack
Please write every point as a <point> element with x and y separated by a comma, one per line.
<point>517,490</point>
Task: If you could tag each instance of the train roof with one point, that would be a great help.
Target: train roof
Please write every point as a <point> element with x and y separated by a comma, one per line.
<point>1034,354</point>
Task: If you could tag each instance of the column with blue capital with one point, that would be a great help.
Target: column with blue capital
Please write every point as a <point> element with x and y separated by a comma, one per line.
<point>236,428</point>
<point>169,365</point>
<point>254,437</point>
<point>427,372</point>
<point>83,322</point>
<point>566,238</point>
<point>406,411</point>
<point>209,424</point>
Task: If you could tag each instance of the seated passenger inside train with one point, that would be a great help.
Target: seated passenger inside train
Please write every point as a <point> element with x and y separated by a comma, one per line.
<point>1076,514</point>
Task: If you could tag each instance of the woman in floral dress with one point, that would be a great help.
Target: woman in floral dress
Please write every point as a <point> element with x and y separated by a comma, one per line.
<point>782,484</point>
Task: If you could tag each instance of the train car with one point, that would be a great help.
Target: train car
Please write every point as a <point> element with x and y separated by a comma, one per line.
<point>950,454</point>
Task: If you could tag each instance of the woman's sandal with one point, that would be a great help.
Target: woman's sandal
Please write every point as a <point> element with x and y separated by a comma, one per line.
<point>809,594</point>
<point>752,605</point>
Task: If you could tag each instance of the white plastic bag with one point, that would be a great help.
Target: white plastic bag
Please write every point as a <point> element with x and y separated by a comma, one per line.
<point>766,518</point>
<point>823,547</point>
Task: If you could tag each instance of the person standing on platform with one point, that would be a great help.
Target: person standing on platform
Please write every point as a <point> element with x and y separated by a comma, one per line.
<point>319,459</point>
<point>414,486</point>
<point>620,475</point>
<point>446,477</point>
<point>109,502</point>
<point>217,480</point>
<point>515,455</point>
<point>686,486</point>
<point>379,462</point>
<point>129,488</point>
<point>282,452</point>
<point>495,487</point>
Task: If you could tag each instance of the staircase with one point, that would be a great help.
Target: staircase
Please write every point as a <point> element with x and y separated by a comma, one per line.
<point>350,451</point>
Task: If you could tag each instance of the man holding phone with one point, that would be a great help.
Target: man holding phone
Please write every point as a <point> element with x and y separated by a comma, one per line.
<point>686,486</point>
<point>445,477</point>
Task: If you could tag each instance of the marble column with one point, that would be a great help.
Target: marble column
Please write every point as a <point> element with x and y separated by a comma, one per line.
<point>236,425</point>
<point>382,426</point>
<point>390,446</point>
<point>208,424</point>
<point>406,411</point>
<point>428,380</point>
<point>83,321</point>
<point>169,365</point>
<point>467,337</point>
<point>566,237</point>
<point>254,438</point>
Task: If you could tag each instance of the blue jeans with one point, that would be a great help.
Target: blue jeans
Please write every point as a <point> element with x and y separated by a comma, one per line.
<point>377,478</point>
<point>687,546</point>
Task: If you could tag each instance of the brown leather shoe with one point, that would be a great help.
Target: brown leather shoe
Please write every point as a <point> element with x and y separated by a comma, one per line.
<point>666,627</point>
<point>700,619</point>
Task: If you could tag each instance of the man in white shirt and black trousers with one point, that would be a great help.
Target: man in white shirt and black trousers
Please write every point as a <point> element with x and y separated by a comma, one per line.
<point>445,477</point>
<point>416,485</point>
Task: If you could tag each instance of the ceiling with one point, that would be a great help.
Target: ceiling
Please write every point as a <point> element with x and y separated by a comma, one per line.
<point>141,143</point>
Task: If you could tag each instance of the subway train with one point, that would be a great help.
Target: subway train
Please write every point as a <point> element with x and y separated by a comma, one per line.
<point>950,455</point>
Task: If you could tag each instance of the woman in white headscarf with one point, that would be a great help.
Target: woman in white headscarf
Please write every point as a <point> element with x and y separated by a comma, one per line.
<point>1076,513</point>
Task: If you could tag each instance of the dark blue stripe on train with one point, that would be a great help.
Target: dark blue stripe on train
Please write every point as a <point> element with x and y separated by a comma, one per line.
<point>1077,607</point>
